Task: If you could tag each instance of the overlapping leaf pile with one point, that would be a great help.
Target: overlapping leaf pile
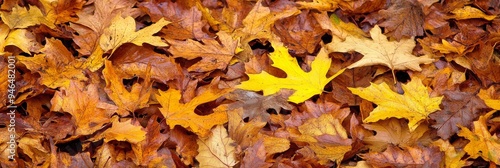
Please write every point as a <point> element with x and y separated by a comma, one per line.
<point>267,83</point>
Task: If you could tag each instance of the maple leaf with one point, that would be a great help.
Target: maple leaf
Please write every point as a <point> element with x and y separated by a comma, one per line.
<point>459,108</point>
<point>183,114</point>
<point>83,103</point>
<point>255,105</point>
<point>415,105</point>
<point>122,30</point>
<point>255,156</point>
<point>217,150</point>
<point>20,17</point>
<point>305,84</point>
<point>127,101</point>
<point>213,55</point>
<point>380,51</point>
<point>404,18</point>
<point>125,131</point>
<point>481,142</point>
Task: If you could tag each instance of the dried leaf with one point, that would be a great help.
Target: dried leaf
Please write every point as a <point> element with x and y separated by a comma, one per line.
<point>217,150</point>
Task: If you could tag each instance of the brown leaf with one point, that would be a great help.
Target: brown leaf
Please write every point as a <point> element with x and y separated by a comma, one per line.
<point>255,106</point>
<point>406,157</point>
<point>395,132</point>
<point>404,18</point>
<point>459,108</point>
<point>255,156</point>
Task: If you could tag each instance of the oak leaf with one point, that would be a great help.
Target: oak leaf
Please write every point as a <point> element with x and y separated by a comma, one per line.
<point>218,150</point>
<point>305,84</point>
<point>415,104</point>
<point>122,30</point>
<point>127,101</point>
<point>380,51</point>
<point>183,114</point>
<point>481,142</point>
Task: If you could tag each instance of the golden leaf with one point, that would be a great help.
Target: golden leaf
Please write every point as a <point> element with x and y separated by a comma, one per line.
<point>305,84</point>
<point>218,150</point>
<point>481,142</point>
<point>415,105</point>
<point>125,131</point>
<point>20,17</point>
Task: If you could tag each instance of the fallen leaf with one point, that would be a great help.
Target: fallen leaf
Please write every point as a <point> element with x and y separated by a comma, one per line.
<point>255,156</point>
<point>404,18</point>
<point>394,132</point>
<point>217,150</point>
<point>481,142</point>
<point>83,103</point>
<point>452,156</point>
<point>380,51</point>
<point>214,55</point>
<point>20,17</point>
<point>490,97</point>
<point>459,108</point>
<point>126,101</point>
<point>255,106</point>
<point>469,12</point>
<point>414,105</point>
<point>183,114</point>
<point>408,157</point>
<point>123,30</point>
<point>125,131</point>
<point>305,84</point>
<point>21,38</point>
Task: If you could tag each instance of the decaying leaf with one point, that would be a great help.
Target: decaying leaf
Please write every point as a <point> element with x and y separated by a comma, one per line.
<point>217,150</point>
<point>305,84</point>
<point>408,157</point>
<point>415,104</point>
<point>393,132</point>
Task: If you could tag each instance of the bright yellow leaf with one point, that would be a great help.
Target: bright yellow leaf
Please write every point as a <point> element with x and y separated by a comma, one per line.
<point>305,84</point>
<point>125,131</point>
<point>482,143</point>
<point>380,51</point>
<point>16,37</point>
<point>183,114</point>
<point>20,17</point>
<point>122,30</point>
<point>415,104</point>
<point>448,47</point>
<point>469,12</point>
<point>218,150</point>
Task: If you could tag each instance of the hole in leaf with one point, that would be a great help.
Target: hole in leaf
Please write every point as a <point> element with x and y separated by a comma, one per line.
<point>327,38</point>
<point>271,111</point>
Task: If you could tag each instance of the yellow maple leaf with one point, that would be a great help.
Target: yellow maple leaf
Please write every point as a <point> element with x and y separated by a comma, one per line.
<point>218,150</point>
<point>415,104</point>
<point>320,5</point>
<point>125,131</point>
<point>127,101</point>
<point>122,30</point>
<point>20,17</point>
<point>453,157</point>
<point>305,84</point>
<point>481,142</point>
<point>183,114</point>
<point>380,51</point>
